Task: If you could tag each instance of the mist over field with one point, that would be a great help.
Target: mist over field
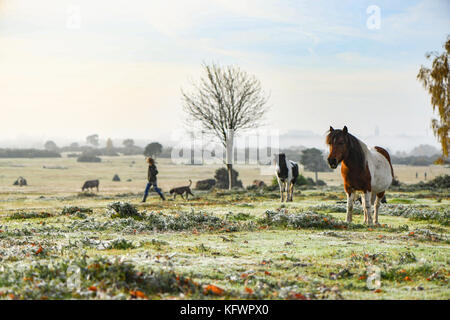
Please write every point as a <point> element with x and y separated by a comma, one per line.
<point>73,69</point>
<point>291,138</point>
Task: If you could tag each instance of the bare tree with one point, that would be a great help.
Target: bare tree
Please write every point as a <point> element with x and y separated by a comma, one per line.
<point>93,139</point>
<point>226,101</point>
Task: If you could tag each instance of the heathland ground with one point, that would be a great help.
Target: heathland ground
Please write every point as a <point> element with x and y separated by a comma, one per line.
<point>56,242</point>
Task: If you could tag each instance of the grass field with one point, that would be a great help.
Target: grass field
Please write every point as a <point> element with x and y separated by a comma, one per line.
<point>58,243</point>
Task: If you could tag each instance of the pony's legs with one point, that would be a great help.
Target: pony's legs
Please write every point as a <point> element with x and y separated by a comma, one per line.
<point>367,208</point>
<point>372,202</point>
<point>372,198</point>
<point>364,209</point>
<point>288,191</point>
<point>350,199</point>
<point>292,190</point>
<point>281,184</point>
<point>377,206</point>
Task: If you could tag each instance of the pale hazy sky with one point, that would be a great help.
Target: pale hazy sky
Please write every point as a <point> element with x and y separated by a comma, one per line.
<point>119,71</point>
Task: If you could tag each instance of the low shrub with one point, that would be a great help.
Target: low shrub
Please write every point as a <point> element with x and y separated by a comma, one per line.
<point>83,278</point>
<point>70,210</point>
<point>206,184</point>
<point>120,209</point>
<point>305,219</point>
<point>29,215</point>
<point>418,213</point>
<point>121,244</point>
<point>88,157</point>
<point>222,182</point>
<point>301,181</point>
<point>188,221</point>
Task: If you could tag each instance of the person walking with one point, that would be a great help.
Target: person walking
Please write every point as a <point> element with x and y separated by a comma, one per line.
<point>152,181</point>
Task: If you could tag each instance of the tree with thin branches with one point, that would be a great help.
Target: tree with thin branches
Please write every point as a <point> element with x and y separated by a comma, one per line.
<point>226,101</point>
<point>436,80</point>
<point>93,140</point>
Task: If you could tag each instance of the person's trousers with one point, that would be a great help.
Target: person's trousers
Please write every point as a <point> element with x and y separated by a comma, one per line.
<point>155,187</point>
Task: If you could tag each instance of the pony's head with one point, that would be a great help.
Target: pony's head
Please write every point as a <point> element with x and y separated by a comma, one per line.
<point>279,158</point>
<point>339,143</point>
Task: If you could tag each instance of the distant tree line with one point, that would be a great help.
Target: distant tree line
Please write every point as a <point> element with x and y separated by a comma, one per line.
<point>310,158</point>
<point>128,148</point>
<point>417,160</point>
<point>28,153</point>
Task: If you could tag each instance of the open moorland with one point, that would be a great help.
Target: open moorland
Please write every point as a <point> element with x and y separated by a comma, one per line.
<point>59,243</point>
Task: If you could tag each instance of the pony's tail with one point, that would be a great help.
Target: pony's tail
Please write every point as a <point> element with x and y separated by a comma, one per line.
<point>388,158</point>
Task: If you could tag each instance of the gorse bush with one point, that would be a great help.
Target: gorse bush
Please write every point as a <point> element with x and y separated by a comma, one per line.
<point>222,182</point>
<point>418,213</point>
<point>88,157</point>
<point>74,209</point>
<point>305,219</point>
<point>29,215</point>
<point>329,208</point>
<point>83,278</point>
<point>122,209</point>
<point>301,181</point>
<point>439,183</point>
<point>128,220</point>
<point>121,244</point>
<point>188,220</point>
<point>206,184</point>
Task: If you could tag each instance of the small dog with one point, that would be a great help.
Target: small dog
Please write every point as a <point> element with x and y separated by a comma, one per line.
<point>181,190</point>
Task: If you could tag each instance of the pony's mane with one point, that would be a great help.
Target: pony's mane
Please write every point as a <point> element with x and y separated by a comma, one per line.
<point>281,161</point>
<point>356,152</point>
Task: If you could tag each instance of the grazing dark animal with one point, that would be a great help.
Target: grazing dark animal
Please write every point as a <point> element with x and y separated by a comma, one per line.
<point>182,190</point>
<point>21,181</point>
<point>363,170</point>
<point>90,184</point>
<point>287,173</point>
<point>259,184</point>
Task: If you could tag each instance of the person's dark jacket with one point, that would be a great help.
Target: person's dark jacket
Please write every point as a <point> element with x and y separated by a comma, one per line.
<point>152,172</point>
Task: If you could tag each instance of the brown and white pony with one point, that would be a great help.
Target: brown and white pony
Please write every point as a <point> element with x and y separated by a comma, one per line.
<point>364,170</point>
<point>287,173</point>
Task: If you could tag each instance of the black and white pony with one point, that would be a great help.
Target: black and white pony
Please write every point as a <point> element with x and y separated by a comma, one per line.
<point>287,173</point>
